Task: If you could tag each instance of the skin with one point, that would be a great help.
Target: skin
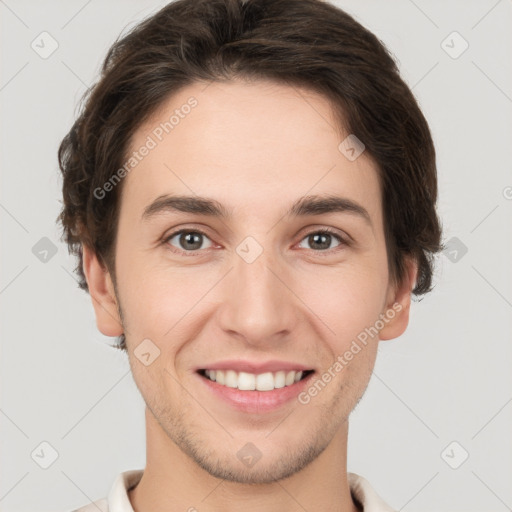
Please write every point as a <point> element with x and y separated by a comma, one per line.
<point>255,147</point>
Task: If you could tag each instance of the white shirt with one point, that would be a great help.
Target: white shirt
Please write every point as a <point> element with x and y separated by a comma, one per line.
<point>118,501</point>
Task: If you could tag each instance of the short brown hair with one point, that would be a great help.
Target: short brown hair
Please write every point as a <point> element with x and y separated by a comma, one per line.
<point>305,43</point>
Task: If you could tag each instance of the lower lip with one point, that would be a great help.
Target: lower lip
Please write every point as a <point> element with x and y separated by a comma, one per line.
<point>256,401</point>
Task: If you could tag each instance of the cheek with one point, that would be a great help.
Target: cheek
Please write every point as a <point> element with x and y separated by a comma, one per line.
<point>348,299</point>
<point>154,295</point>
<point>164,301</point>
<point>167,305</point>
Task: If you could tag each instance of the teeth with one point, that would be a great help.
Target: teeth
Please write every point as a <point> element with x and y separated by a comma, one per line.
<point>279,380</point>
<point>265,382</point>
<point>231,379</point>
<point>246,381</point>
<point>220,377</point>
<point>210,374</point>
<point>249,381</point>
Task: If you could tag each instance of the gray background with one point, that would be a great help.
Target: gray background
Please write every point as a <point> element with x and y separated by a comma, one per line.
<point>447,379</point>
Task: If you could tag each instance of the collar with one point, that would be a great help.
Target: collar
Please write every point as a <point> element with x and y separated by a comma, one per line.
<point>118,501</point>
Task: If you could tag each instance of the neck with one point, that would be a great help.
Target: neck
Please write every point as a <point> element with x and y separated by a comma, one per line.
<point>173,481</point>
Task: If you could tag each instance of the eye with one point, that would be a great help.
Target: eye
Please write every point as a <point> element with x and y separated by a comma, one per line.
<point>188,240</point>
<point>192,240</point>
<point>321,240</point>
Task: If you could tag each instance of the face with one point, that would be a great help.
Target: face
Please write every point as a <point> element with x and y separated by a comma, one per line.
<point>249,296</point>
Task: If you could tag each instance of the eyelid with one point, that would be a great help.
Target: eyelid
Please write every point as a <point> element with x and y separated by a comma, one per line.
<point>167,238</point>
<point>344,240</point>
<point>342,235</point>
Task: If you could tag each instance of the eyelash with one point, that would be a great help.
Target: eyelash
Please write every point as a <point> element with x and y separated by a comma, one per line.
<point>326,231</point>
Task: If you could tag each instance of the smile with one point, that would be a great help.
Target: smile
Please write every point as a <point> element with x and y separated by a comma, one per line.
<point>245,381</point>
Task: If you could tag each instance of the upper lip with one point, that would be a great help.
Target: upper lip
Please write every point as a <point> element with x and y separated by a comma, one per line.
<point>255,367</point>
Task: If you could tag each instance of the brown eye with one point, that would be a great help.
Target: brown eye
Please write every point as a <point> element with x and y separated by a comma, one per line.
<point>322,240</point>
<point>188,240</point>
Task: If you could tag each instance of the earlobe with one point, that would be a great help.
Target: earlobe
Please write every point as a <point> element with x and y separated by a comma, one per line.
<point>399,304</point>
<point>101,290</point>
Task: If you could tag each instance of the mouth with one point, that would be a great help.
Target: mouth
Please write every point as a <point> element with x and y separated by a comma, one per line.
<point>245,381</point>
<point>255,393</point>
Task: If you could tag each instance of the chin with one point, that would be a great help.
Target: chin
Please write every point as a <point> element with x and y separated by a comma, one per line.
<point>263,471</point>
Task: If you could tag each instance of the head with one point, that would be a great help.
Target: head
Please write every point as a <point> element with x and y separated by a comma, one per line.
<point>218,206</point>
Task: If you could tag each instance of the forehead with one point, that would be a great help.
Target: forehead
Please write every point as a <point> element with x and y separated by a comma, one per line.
<point>252,146</point>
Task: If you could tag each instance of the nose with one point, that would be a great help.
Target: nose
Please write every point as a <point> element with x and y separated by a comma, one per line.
<point>258,302</point>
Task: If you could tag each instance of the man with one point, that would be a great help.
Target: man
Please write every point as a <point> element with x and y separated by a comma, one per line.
<point>250,190</point>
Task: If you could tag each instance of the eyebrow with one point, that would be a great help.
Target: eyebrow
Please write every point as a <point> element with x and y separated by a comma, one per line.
<point>304,206</point>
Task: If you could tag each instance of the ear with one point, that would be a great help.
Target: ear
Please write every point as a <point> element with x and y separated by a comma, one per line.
<point>101,290</point>
<point>399,302</point>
